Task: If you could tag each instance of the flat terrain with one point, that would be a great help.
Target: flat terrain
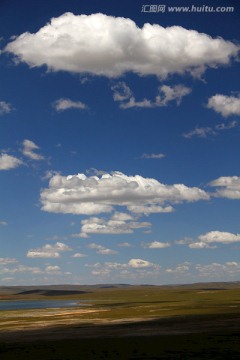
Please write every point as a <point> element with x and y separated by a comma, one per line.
<point>200,321</point>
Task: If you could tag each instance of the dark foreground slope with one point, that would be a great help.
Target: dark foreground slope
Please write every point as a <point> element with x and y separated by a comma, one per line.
<point>135,341</point>
<point>175,347</point>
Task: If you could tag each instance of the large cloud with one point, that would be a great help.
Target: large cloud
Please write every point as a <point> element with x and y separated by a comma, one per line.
<point>110,46</point>
<point>225,105</point>
<point>79,194</point>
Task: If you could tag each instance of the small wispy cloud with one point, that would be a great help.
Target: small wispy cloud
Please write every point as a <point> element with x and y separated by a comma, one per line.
<point>29,150</point>
<point>156,245</point>
<point>153,156</point>
<point>49,174</point>
<point>5,108</point>
<point>203,132</point>
<point>124,244</point>
<point>101,249</point>
<point>53,269</point>
<point>67,104</point>
<point>107,252</point>
<point>6,261</point>
<point>166,94</point>
<point>79,255</point>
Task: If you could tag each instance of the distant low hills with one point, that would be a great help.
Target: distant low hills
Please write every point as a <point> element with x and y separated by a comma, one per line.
<point>52,292</point>
<point>68,289</point>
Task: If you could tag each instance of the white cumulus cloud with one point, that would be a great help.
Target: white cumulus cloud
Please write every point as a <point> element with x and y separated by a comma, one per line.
<point>227,187</point>
<point>105,45</point>
<point>95,225</point>
<point>219,237</point>
<point>210,240</point>
<point>8,162</point>
<point>225,105</point>
<point>53,270</point>
<point>139,263</point>
<point>78,255</point>
<point>49,251</point>
<point>79,194</point>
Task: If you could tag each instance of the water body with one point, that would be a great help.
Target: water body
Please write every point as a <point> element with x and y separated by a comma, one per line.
<point>38,304</point>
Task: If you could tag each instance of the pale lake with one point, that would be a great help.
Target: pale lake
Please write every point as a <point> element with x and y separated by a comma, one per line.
<point>38,304</point>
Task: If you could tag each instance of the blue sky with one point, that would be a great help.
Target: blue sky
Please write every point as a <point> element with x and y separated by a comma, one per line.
<point>119,155</point>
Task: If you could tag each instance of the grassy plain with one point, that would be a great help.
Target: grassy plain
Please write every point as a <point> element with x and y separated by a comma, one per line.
<point>199,321</point>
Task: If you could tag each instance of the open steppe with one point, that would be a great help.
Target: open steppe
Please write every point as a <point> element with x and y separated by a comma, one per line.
<point>200,321</point>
